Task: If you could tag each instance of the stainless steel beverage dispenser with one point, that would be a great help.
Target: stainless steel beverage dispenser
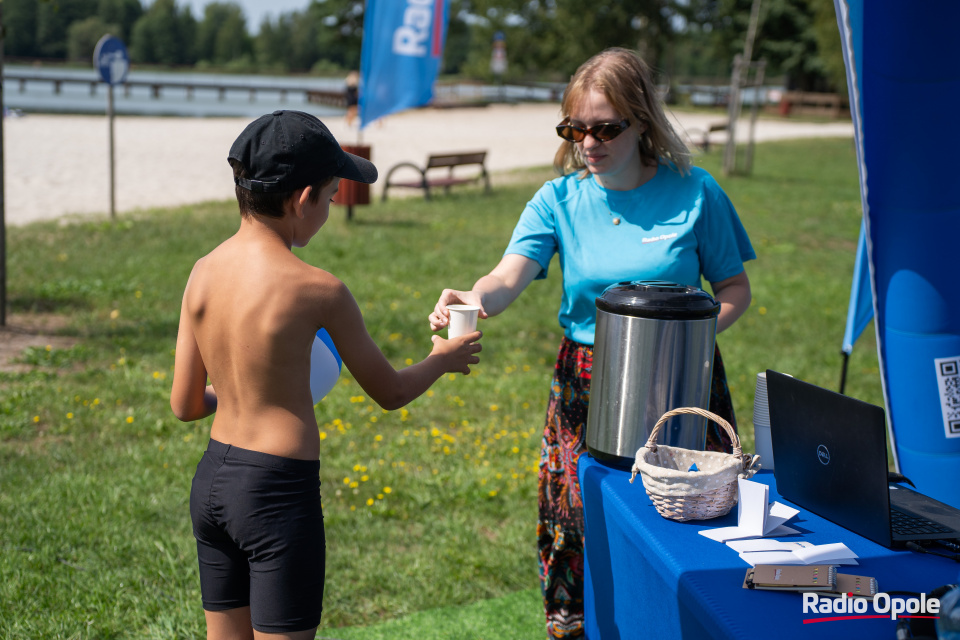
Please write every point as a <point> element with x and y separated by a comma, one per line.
<point>653,352</point>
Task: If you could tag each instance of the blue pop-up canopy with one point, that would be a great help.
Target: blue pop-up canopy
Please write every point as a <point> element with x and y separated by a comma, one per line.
<point>904,84</point>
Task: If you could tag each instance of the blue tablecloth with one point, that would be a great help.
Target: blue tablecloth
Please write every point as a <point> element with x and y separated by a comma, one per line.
<point>649,577</point>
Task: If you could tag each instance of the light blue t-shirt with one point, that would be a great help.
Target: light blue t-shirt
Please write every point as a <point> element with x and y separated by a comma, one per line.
<point>673,228</point>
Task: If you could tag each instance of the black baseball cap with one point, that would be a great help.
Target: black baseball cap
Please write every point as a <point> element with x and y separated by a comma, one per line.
<point>287,150</point>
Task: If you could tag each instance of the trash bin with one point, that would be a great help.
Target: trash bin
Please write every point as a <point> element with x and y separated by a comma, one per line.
<point>351,192</point>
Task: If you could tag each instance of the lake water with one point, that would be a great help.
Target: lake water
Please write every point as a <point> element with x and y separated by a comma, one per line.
<point>76,97</point>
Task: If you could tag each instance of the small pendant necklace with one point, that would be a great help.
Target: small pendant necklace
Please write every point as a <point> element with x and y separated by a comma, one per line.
<point>616,218</point>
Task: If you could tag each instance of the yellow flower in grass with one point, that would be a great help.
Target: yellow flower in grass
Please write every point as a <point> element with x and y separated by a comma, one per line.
<point>387,489</point>
<point>129,419</point>
<point>369,502</point>
<point>70,416</point>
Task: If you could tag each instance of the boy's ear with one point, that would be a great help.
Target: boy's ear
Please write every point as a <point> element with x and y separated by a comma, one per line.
<point>298,199</point>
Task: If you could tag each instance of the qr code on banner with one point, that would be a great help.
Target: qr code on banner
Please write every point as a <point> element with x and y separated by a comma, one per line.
<point>948,379</point>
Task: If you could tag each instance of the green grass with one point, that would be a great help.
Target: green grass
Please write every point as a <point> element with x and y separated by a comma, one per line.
<point>431,510</point>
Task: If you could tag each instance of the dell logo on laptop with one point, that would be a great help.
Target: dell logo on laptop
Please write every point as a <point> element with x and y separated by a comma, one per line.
<point>823,455</point>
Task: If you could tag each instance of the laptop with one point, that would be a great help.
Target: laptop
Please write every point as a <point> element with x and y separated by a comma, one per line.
<point>831,459</point>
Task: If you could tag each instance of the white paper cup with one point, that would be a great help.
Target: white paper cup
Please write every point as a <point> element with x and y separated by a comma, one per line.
<point>763,446</point>
<point>463,319</point>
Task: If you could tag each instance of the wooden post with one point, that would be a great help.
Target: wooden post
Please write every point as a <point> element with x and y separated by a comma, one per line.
<point>754,109</point>
<point>739,62</point>
<point>733,114</point>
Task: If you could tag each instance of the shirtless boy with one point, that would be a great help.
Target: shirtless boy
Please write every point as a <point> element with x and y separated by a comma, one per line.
<point>250,312</point>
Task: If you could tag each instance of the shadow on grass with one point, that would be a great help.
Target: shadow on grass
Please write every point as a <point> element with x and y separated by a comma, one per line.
<point>48,304</point>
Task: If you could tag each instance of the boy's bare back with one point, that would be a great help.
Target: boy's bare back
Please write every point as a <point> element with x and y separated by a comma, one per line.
<point>251,309</point>
<point>255,308</point>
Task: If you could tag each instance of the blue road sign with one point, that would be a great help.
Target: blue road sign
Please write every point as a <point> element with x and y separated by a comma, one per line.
<point>111,60</point>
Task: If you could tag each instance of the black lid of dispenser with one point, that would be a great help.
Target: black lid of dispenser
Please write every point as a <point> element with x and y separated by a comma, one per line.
<point>659,300</point>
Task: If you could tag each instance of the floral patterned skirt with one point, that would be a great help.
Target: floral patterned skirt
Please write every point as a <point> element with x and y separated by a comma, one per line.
<point>560,525</point>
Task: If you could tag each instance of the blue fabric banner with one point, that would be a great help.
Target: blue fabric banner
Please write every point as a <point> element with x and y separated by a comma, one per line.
<point>402,47</point>
<point>911,217</point>
<point>860,311</point>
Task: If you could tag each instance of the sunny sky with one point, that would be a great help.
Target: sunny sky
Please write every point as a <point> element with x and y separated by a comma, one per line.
<point>254,10</point>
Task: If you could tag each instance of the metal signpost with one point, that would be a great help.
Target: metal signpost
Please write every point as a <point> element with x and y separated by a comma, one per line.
<point>112,62</point>
<point>3,221</point>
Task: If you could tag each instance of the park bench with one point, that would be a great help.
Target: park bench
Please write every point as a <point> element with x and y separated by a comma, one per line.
<point>427,176</point>
<point>809,103</point>
<point>711,128</point>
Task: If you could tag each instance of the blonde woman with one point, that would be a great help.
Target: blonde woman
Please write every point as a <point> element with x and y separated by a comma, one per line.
<point>628,206</point>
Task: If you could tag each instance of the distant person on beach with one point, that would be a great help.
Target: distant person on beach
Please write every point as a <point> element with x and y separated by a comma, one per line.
<point>352,93</point>
<point>629,206</point>
<point>250,312</point>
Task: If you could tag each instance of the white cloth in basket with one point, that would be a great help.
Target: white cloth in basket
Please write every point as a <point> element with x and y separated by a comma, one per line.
<point>666,470</point>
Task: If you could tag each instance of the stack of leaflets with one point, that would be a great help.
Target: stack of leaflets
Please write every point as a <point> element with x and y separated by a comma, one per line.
<point>758,552</point>
<point>758,520</point>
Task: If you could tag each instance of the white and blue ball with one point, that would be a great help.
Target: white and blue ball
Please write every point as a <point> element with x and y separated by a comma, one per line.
<point>325,366</point>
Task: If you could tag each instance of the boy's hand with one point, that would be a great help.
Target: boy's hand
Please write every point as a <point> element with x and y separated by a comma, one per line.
<point>458,353</point>
<point>441,317</point>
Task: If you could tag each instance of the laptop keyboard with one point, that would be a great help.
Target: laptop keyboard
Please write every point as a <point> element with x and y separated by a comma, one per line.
<point>906,525</point>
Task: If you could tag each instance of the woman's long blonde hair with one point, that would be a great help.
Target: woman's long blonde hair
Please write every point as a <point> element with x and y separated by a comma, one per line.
<point>625,79</point>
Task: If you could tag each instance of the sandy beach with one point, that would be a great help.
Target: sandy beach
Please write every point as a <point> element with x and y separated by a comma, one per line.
<point>58,166</point>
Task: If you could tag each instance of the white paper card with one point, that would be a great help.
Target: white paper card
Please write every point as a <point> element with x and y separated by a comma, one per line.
<point>834,553</point>
<point>756,518</point>
<point>765,544</point>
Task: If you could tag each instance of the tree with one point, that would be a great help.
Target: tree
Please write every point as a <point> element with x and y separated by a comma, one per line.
<point>222,34</point>
<point>53,21</point>
<point>20,22</point>
<point>270,44</point>
<point>554,37</point>
<point>829,48</point>
<point>82,37</point>
<point>786,38</point>
<point>123,13</point>
<point>164,34</point>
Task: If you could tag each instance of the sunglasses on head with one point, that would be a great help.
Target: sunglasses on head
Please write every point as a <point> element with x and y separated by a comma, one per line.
<point>603,132</point>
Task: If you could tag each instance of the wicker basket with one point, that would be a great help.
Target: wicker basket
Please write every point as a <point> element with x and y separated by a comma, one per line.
<point>681,494</point>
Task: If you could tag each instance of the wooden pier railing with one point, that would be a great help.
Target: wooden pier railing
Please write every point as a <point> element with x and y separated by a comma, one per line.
<point>156,86</point>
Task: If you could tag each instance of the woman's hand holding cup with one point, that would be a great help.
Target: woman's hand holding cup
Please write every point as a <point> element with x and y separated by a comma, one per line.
<point>454,302</point>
